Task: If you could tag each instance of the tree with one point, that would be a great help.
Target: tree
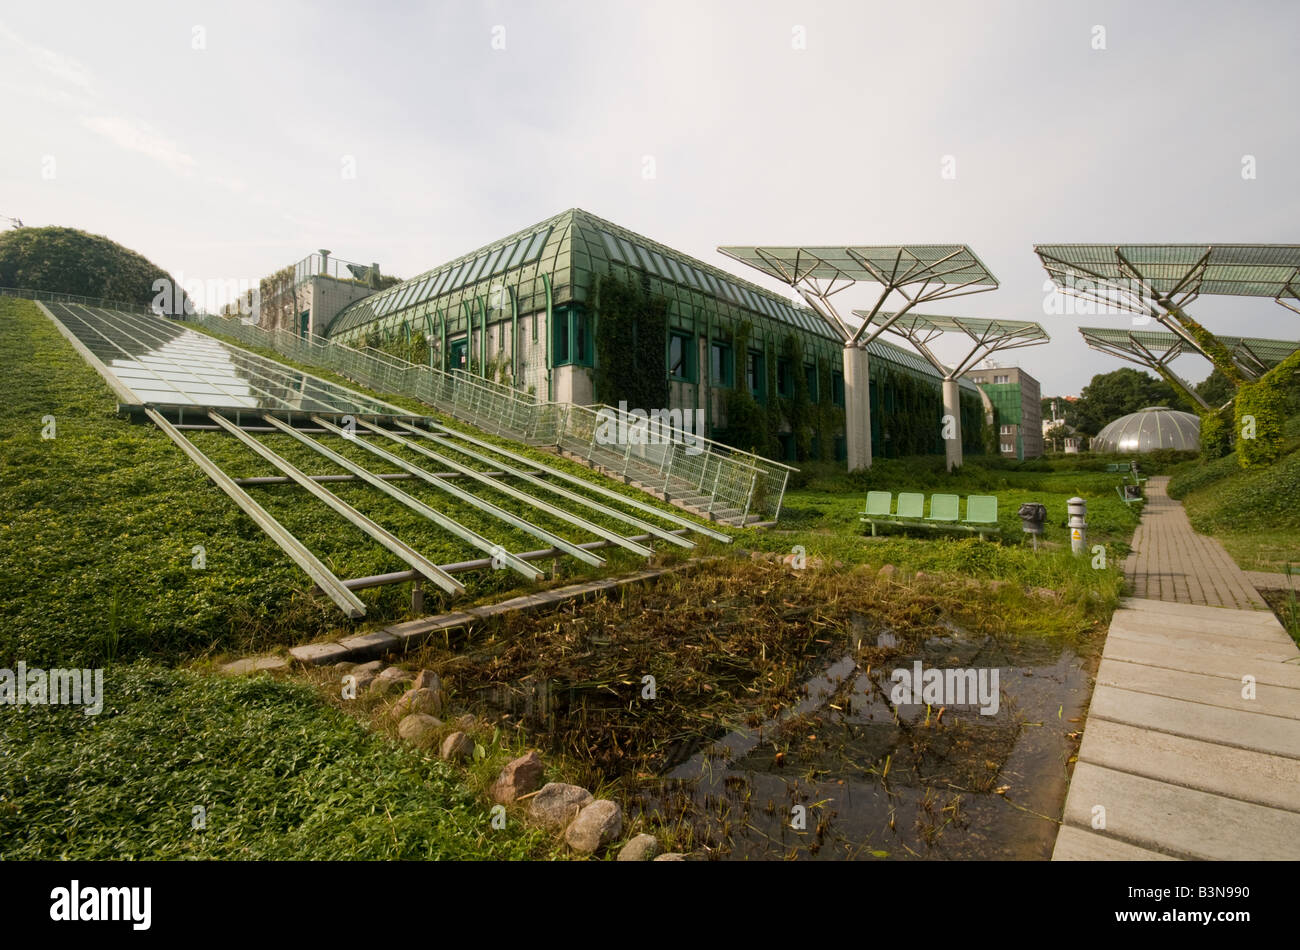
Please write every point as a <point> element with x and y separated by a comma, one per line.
<point>68,261</point>
<point>1115,394</point>
<point>1055,436</point>
<point>1059,407</point>
<point>1216,389</point>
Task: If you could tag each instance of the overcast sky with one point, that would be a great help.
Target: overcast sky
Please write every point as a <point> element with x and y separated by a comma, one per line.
<point>217,138</point>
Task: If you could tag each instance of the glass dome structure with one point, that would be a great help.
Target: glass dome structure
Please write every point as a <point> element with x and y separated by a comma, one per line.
<point>1156,427</point>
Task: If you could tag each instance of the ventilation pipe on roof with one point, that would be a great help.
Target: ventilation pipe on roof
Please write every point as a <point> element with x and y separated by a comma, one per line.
<point>324,262</point>
<point>374,275</point>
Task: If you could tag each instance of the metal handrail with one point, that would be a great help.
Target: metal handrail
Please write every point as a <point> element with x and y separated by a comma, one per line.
<point>734,473</point>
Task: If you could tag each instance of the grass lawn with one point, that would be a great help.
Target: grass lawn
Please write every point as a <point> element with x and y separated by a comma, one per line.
<point>1256,514</point>
<point>279,773</point>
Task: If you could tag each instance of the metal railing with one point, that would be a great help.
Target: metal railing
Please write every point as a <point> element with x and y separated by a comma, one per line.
<point>721,481</point>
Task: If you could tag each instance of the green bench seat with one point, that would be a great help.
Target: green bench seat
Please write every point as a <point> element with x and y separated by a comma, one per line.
<point>981,512</point>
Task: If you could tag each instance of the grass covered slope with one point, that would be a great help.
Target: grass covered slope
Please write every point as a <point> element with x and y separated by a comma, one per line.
<point>1255,512</point>
<point>97,545</point>
<point>95,550</point>
<point>278,773</point>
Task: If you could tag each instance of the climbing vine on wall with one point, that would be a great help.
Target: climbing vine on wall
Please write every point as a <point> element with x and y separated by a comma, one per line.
<point>631,326</point>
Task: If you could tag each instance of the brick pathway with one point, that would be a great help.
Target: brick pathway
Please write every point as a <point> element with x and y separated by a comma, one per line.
<point>1170,561</point>
<point>1191,748</point>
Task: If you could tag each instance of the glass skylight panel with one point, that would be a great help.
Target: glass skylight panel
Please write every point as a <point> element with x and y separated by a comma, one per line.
<point>517,255</point>
<point>458,276</point>
<point>611,247</point>
<point>162,363</point>
<point>438,282</point>
<point>476,269</point>
<point>490,267</point>
<point>405,296</point>
<point>536,245</point>
<point>678,274</point>
<point>644,258</point>
<point>629,255</point>
<point>661,266</point>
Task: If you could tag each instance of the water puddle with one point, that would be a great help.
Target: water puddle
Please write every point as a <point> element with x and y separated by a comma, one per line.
<point>846,773</point>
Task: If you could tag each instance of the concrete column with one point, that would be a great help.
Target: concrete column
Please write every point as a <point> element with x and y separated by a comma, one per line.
<point>857,407</point>
<point>952,428</point>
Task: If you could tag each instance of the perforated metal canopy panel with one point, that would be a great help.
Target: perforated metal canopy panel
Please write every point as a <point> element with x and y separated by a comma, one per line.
<point>1021,332</point>
<point>1251,270</point>
<point>163,364</point>
<point>1253,349</point>
<point>889,264</point>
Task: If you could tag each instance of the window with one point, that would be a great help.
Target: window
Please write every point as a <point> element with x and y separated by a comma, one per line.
<point>1009,448</point>
<point>491,267</point>
<point>784,378</point>
<point>535,246</point>
<point>810,379</point>
<point>681,357</point>
<point>1008,430</point>
<point>517,255</point>
<point>1001,379</point>
<point>611,247</point>
<point>837,388</point>
<point>722,371</point>
<point>437,284</point>
<point>755,376</point>
<point>571,342</point>
<point>475,269</point>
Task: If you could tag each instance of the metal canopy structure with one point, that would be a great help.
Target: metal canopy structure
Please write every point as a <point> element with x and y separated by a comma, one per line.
<point>986,337</point>
<point>918,273</point>
<point>1155,350</point>
<point>1160,280</point>
<point>173,376</point>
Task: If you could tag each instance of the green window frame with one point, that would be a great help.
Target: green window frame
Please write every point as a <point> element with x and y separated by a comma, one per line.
<point>810,378</point>
<point>681,357</point>
<point>571,337</point>
<point>756,375</point>
<point>837,388</point>
<point>784,378</point>
<point>723,364</point>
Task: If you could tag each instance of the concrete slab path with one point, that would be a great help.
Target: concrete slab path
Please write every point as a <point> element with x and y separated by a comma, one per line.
<point>1191,749</point>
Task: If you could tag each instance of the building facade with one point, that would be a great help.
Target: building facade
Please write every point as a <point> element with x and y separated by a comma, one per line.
<point>536,310</point>
<point>1017,407</point>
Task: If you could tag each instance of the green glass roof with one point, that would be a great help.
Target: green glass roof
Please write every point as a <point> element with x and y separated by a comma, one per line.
<point>599,242</point>
<point>522,248</point>
<point>1250,270</point>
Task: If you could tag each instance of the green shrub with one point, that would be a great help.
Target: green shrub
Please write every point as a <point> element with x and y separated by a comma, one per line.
<point>1216,434</point>
<point>68,261</point>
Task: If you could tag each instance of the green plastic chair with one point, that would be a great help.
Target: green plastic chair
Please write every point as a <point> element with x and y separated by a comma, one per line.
<point>878,504</point>
<point>911,504</point>
<point>1112,466</point>
<point>982,509</point>
<point>943,507</point>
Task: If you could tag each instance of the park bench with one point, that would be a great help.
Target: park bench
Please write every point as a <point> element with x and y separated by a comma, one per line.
<point>981,512</point>
<point>1128,493</point>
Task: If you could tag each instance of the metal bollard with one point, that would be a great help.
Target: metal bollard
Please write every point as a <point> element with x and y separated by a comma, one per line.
<point>1078,509</point>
